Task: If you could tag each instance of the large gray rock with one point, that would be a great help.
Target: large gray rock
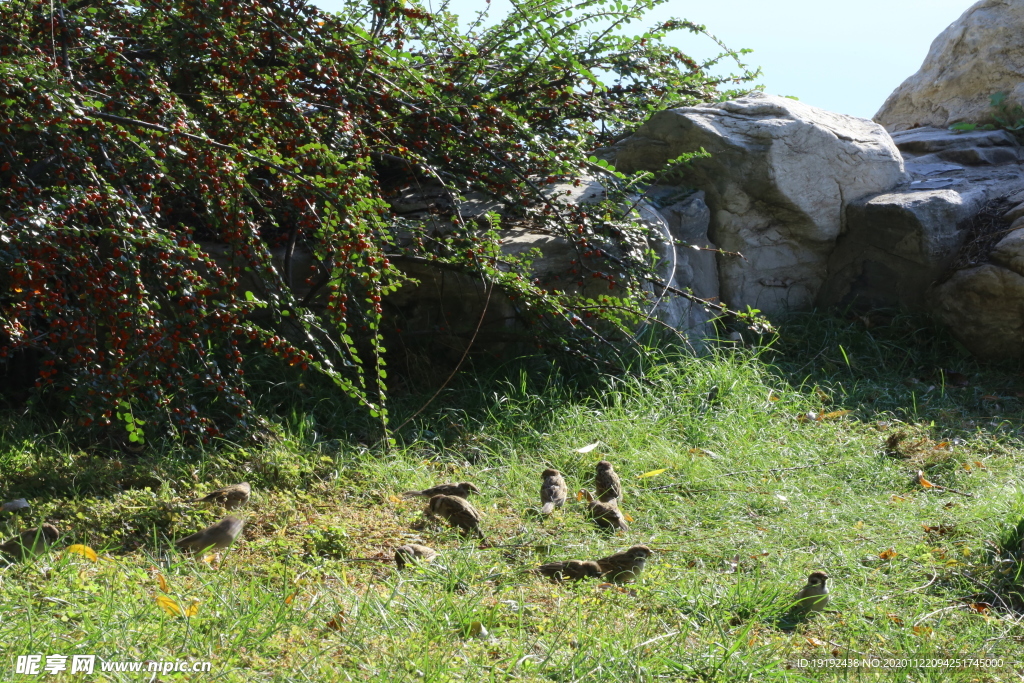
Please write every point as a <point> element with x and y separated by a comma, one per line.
<point>983,307</point>
<point>446,306</point>
<point>978,55</point>
<point>896,244</point>
<point>779,177</point>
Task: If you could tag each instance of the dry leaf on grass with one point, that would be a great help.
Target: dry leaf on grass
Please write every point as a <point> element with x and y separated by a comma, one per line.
<point>83,550</point>
<point>174,609</point>
<point>888,554</point>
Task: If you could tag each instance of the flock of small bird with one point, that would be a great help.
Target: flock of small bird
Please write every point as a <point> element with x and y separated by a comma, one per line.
<point>450,503</point>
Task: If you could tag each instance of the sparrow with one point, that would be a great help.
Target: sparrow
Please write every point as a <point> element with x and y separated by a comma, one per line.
<point>460,490</point>
<point>457,512</point>
<point>606,483</point>
<point>219,535</point>
<point>625,566</point>
<point>413,552</point>
<point>573,570</point>
<point>230,496</point>
<point>814,596</point>
<point>553,491</point>
<point>31,542</point>
<point>605,515</point>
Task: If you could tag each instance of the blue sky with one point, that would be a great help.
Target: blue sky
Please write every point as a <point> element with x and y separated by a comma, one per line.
<point>839,55</point>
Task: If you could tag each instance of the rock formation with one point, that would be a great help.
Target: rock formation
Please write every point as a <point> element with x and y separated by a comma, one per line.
<point>977,56</point>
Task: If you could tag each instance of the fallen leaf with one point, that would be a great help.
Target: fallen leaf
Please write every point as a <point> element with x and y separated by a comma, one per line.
<point>941,445</point>
<point>394,499</point>
<point>822,396</point>
<point>628,517</point>
<point>338,622</point>
<point>923,630</point>
<point>897,499</point>
<point>980,607</point>
<point>703,452</point>
<point>163,583</point>
<point>888,554</point>
<point>989,397</point>
<point>773,398</point>
<point>834,414</point>
<point>652,473</point>
<point>858,525</point>
<point>895,618</point>
<point>939,530</point>
<point>814,642</point>
<point>764,554</point>
<point>174,609</point>
<point>83,550</point>
<point>588,447</point>
<point>980,465</point>
<point>290,598</point>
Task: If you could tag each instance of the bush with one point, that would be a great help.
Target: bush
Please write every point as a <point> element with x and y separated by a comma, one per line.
<point>134,135</point>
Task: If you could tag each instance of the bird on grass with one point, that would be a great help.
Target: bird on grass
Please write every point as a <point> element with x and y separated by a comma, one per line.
<point>572,570</point>
<point>606,483</point>
<point>813,597</point>
<point>553,491</point>
<point>605,515</point>
<point>31,542</point>
<point>461,490</point>
<point>230,497</point>
<point>457,512</point>
<point>412,553</point>
<point>625,566</point>
<point>216,536</point>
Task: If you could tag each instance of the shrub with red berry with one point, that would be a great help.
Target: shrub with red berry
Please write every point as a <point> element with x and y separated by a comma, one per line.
<point>134,134</point>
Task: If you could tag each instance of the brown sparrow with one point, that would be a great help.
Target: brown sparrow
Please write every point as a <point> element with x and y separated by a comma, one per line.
<point>553,491</point>
<point>605,515</point>
<point>219,535</point>
<point>625,566</point>
<point>814,596</point>
<point>457,512</point>
<point>606,483</point>
<point>460,490</point>
<point>413,552</point>
<point>573,570</point>
<point>31,542</point>
<point>230,496</point>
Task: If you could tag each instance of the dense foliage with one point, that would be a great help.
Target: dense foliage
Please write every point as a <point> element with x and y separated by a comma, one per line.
<point>140,139</point>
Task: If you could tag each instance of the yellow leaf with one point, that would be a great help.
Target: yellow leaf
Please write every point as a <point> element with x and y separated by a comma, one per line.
<point>290,598</point>
<point>922,630</point>
<point>858,525</point>
<point>163,583</point>
<point>822,396</point>
<point>83,550</point>
<point>895,618</point>
<point>834,414</point>
<point>814,642</point>
<point>628,518</point>
<point>773,397</point>
<point>394,499</point>
<point>980,465</point>
<point>980,607</point>
<point>193,609</point>
<point>588,447</point>
<point>967,466</point>
<point>168,605</point>
<point>897,499</point>
<point>338,622</point>
<point>888,554</point>
<point>652,473</point>
<point>208,559</point>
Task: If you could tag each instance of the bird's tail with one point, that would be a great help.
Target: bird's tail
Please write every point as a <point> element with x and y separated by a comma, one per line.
<point>412,494</point>
<point>547,509</point>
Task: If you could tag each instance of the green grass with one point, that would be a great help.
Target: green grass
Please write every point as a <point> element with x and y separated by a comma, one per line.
<point>752,499</point>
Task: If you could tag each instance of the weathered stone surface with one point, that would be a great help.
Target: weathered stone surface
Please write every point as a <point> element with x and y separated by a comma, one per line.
<point>778,179</point>
<point>984,309</point>
<point>447,305</point>
<point>978,55</point>
<point>968,148</point>
<point>896,244</point>
<point>1009,252</point>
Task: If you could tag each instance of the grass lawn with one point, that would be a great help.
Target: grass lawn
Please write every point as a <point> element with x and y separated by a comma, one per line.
<point>744,470</point>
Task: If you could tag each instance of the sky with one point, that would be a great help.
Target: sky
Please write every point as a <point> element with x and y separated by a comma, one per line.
<point>841,55</point>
